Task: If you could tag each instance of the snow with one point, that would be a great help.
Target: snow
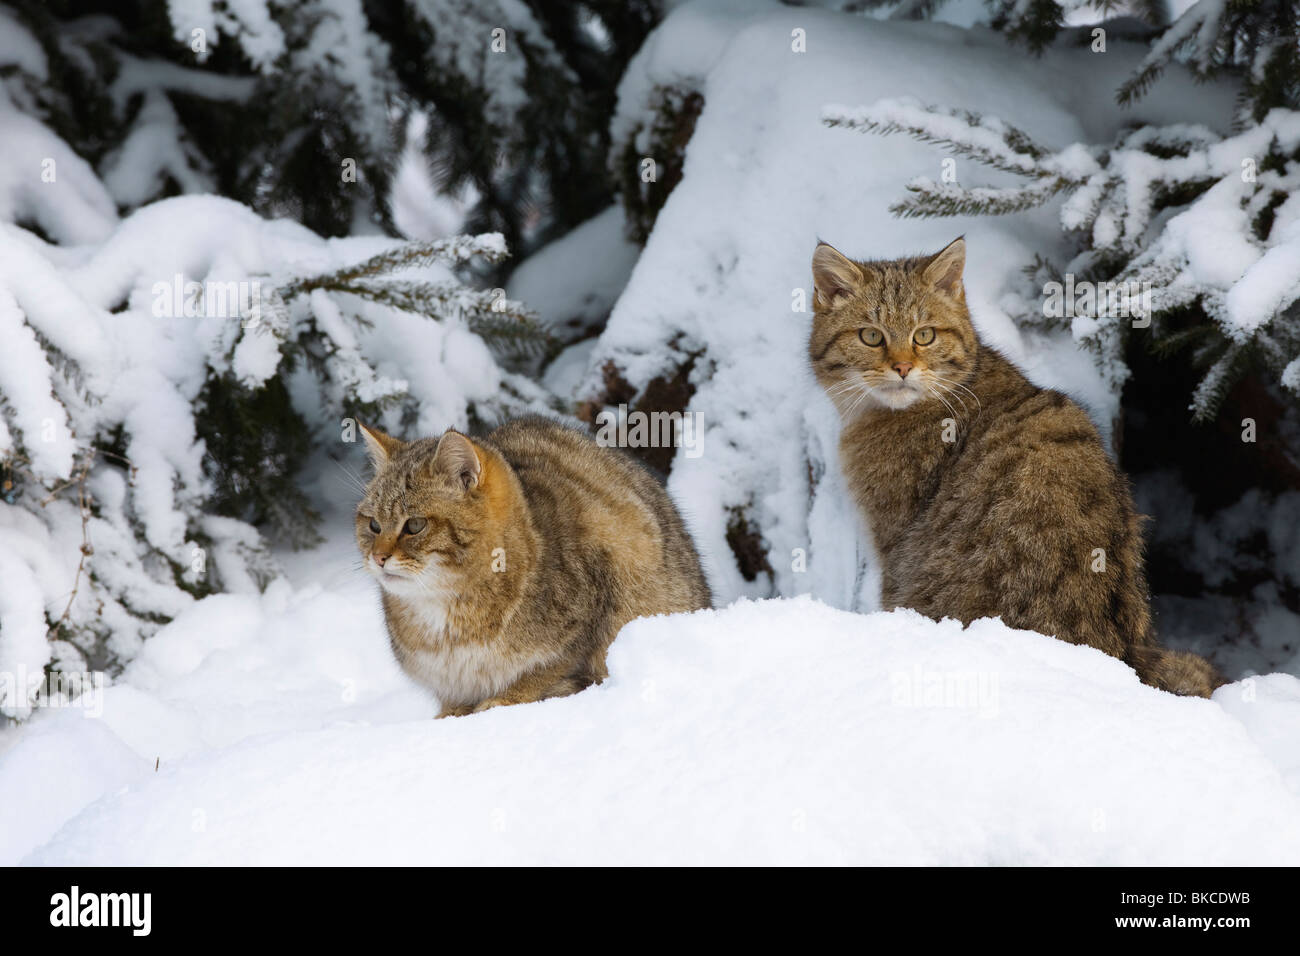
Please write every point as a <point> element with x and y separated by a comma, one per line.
<point>140,76</point>
<point>987,137</point>
<point>573,282</point>
<point>681,51</point>
<point>342,46</point>
<point>1211,238</point>
<point>1200,20</point>
<point>259,36</point>
<point>19,48</point>
<point>25,380</point>
<point>24,648</point>
<point>780,731</point>
<point>565,374</point>
<point>465,37</point>
<point>418,209</point>
<point>153,152</point>
<point>43,181</point>
<point>1291,375</point>
<point>1266,286</point>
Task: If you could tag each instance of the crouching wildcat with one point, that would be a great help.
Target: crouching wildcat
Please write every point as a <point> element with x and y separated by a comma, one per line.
<point>508,564</point>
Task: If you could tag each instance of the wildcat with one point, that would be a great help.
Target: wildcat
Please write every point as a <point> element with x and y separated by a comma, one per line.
<point>507,564</point>
<point>985,494</point>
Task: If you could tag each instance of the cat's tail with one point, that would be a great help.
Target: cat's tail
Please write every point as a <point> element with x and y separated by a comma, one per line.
<point>1179,672</point>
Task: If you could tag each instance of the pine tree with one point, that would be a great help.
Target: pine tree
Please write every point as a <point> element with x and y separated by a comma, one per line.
<point>257,440</point>
<point>293,109</point>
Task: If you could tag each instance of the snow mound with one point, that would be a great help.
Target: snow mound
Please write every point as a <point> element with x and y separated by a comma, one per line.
<point>573,282</point>
<point>779,731</point>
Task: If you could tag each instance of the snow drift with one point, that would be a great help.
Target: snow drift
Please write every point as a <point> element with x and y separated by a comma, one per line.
<point>778,731</point>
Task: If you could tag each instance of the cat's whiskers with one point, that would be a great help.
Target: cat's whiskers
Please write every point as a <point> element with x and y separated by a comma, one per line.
<point>937,394</point>
<point>354,480</point>
<point>952,387</point>
<point>842,391</point>
<point>936,387</point>
<point>866,391</point>
<point>841,387</point>
<point>951,383</point>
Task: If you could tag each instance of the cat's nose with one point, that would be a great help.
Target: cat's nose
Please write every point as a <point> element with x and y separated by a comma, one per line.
<point>379,557</point>
<point>902,368</point>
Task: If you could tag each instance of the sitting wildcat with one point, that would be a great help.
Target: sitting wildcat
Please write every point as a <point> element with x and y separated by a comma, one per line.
<point>508,564</point>
<point>986,495</point>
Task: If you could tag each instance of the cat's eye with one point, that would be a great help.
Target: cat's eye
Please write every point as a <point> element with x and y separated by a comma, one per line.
<point>374,526</point>
<point>923,336</point>
<point>872,337</point>
<point>414,525</point>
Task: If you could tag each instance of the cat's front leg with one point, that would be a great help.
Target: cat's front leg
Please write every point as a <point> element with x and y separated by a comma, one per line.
<point>456,712</point>
<point>554,681</point>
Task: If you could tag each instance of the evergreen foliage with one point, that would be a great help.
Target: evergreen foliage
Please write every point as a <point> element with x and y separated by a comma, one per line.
<point>264,102</point>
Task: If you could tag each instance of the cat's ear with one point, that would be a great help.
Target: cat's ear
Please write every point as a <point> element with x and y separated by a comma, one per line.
<point>457,456</point>
<point>944,270</point>
<point>833,275</point>
<point>382,447</point>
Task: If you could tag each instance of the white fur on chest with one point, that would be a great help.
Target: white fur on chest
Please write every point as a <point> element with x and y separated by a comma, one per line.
<point>458,673</point>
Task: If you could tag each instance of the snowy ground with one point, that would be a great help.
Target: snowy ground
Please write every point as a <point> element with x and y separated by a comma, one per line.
<point>277,729</point>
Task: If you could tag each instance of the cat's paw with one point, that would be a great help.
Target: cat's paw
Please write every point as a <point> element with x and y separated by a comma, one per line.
<point>490,703</point>
<point>454,712</point>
